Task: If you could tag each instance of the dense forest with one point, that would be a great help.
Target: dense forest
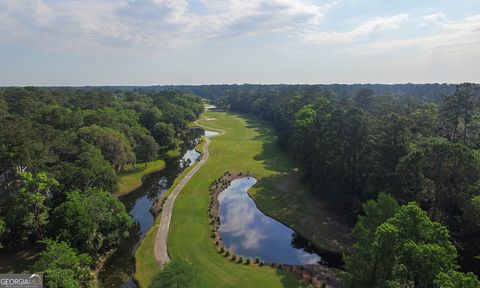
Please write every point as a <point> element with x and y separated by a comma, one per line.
<point>422,148</point>
<point>402,163</point>
<point>61,150</point>
<point>422,92</point>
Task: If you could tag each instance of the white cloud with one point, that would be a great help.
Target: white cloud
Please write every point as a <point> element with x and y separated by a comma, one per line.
<point>162,24</point>
<point>436,17</point>
<point>172,25</point>
<point>376,25</point>
<point>456,37</point>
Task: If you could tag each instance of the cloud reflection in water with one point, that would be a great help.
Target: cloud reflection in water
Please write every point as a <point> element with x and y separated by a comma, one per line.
<point>250,233</point>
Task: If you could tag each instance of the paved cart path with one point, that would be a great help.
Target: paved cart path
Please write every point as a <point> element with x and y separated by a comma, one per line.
<point>161,254</point>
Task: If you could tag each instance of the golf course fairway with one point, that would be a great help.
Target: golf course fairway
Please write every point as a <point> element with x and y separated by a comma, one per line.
<point>246,145</point>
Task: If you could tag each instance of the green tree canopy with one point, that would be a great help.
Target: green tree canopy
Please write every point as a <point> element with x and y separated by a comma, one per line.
<point>392,140</point>
<point>455,279</point>
<point>92,170</point>
<point>113,144</point>
<point>150,117</point>
<point>404,250</point>
<point>3,230</point>
<point>458,109</point>
<point>176,274</point>
<point>81,137</point>
<point>147,148</point>
<point>93,222</point>
<point>28,215</point>
<point>441,176</point>
<point>360,264</point>
<point>472,214</point>
<point>63,267</point>
<point>3,108</point>
<point>164,134</point>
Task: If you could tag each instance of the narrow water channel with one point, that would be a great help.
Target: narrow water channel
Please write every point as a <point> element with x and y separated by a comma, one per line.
<point>120,267</point>
<point>250,233</point>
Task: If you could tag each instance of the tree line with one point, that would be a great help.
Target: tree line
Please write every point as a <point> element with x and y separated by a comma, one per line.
<point>61,150</point>
<point>423,92</point>
<point>350,149</point>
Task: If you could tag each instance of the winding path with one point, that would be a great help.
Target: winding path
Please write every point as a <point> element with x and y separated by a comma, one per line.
<point>161,254</point>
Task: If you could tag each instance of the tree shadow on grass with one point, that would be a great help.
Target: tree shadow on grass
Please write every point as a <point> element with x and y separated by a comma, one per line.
<point>272,155</point>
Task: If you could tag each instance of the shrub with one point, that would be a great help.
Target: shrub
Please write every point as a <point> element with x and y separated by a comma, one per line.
<point>177,273</point>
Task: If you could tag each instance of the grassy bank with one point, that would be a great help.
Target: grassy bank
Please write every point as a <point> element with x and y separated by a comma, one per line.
<point>146,265</point>
<point>131,177</point>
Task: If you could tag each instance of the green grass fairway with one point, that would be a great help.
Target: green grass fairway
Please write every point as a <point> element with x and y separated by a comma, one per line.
<point>248,145</point>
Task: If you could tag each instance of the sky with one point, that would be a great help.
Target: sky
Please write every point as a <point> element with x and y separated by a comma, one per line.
<point>156,42</point>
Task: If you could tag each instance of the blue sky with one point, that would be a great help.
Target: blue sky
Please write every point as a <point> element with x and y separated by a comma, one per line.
<point>149,42</point>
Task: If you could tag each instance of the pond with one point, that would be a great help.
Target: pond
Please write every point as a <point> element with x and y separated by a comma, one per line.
<point>119,268</point>
<point>248,232</point>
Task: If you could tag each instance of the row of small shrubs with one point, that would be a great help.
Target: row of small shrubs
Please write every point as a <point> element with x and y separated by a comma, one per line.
<point>220,182</point>
<point>214,219</point>
<point>238,259</point>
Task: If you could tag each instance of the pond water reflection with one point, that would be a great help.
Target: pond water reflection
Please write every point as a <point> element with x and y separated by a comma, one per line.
<point>250,233</point>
